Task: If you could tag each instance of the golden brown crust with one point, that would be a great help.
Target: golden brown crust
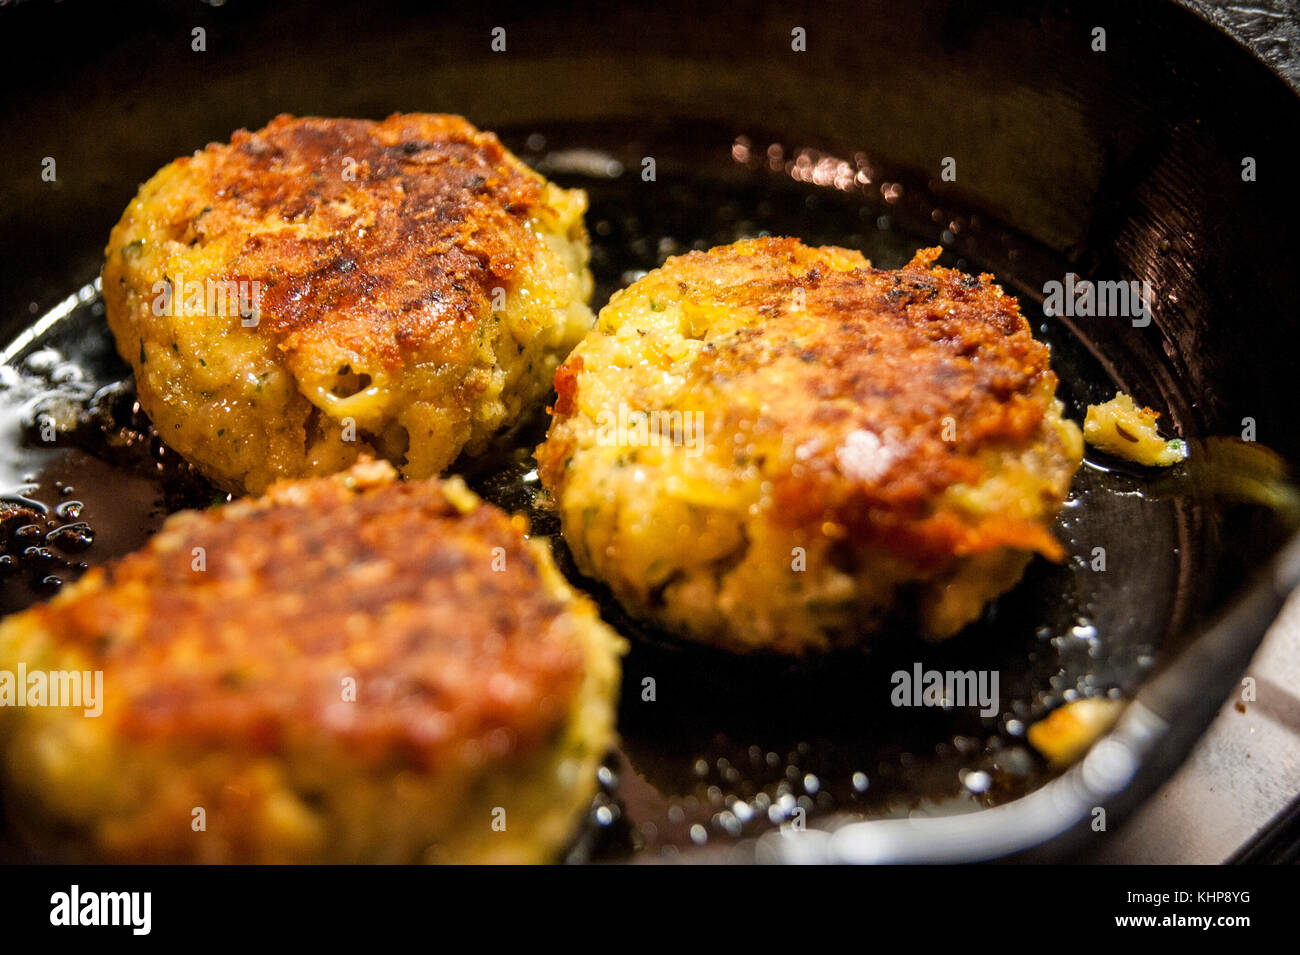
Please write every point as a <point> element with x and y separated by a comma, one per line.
<point>414,220</point>
<point>901,355</point>
<point>451,642</point>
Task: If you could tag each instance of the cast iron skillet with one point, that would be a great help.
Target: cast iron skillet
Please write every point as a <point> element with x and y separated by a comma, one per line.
<point>1117,164</point>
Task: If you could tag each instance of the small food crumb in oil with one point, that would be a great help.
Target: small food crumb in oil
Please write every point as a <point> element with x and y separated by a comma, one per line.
<point>1065,734</point>
<point>1121,428</point>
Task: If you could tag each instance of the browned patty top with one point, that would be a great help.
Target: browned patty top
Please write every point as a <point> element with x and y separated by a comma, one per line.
<point>349,576</point>
<point>889,353</point>
<point>418,218</point>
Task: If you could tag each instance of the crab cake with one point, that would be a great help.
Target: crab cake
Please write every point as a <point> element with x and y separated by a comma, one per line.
<point>348,669</point>
<point>774,446</point>
<point>326,288</point>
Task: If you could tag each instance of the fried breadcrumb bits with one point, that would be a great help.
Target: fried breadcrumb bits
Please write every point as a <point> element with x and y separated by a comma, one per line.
<point>1065,734</point>
<point>1121,428</point>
